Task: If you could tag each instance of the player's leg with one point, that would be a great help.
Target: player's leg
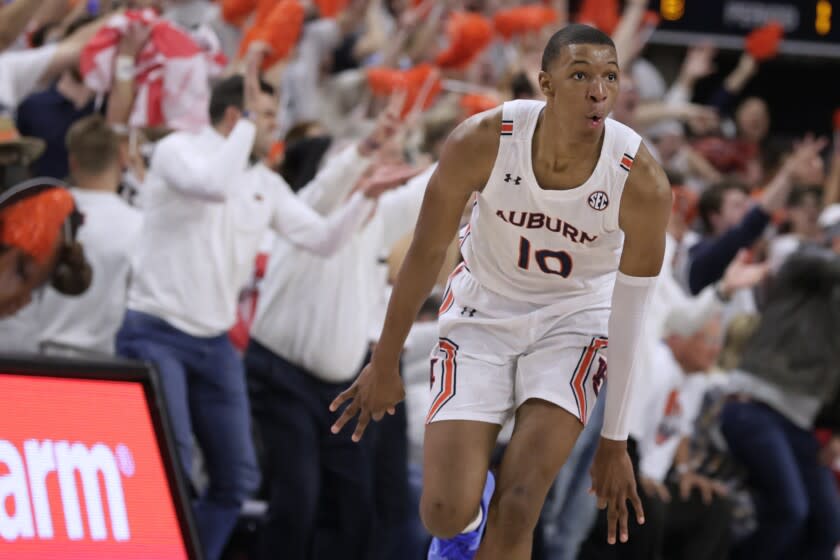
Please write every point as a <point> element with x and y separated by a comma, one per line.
<point>542,440</point>
<point>456,456</point>
<point>472,390</point>
<point>556,382</point>
<point>472,396</point>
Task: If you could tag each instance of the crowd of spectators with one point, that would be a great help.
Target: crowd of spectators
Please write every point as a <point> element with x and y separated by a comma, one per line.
<point>245,177</point>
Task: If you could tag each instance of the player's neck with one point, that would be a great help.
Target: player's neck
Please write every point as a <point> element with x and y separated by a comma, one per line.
<point>554,141</point>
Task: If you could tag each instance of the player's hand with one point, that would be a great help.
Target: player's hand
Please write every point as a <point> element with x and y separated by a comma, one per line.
<point>375,393</point>
<point>707,487</point>
<point>613,483</point>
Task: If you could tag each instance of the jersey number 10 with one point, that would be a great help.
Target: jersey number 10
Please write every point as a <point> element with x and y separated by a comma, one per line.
<point>550,262</point>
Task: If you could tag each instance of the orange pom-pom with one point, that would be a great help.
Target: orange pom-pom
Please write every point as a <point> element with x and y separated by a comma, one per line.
<point>281,30</point>
<point>330,8</point>
<point>235,11</point>
<point>763,43</point>
<point>837,119</point>
<point>523,19</point>
<point>602,14</point>
<point>385,81</point>
<point>33,224</point>
<point>474,103</point>
<point>264,9</point>
<point>469,34</point>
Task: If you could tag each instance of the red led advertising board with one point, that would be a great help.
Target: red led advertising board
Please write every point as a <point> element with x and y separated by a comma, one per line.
<point>82,475</point>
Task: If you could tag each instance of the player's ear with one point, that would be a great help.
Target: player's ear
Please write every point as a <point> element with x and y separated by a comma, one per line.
<point>545,83</point>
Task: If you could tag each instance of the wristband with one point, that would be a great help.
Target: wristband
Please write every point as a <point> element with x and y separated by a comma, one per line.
<point>630,299</point>
<point>124,68</point>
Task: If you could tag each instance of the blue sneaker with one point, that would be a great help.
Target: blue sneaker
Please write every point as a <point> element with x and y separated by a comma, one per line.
<point>465,545</point>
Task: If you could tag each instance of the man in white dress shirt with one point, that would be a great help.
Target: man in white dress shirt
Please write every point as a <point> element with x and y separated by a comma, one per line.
<point>111,233</point>
<point>206,207</point>
<point>310,338</point>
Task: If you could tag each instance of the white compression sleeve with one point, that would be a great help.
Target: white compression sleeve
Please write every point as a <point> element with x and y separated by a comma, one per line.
<point>630,302</point>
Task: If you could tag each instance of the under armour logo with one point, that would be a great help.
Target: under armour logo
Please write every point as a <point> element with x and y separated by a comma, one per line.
<point>516,181</point>
<point>467,312</point>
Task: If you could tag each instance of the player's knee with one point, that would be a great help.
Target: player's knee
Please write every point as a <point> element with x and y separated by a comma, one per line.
<point>446,516</point>
<point>518,511</point>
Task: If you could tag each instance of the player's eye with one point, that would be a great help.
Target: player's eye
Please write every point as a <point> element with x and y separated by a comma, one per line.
<point>578,75</point>
<point>612,76</point>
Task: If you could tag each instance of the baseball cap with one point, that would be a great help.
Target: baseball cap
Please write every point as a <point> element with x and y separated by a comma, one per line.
<point>10,137</point>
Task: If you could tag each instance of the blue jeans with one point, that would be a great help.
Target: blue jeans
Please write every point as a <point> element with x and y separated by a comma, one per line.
<point>569,510</point>
<point>203,382</point>
<point>797,503</point>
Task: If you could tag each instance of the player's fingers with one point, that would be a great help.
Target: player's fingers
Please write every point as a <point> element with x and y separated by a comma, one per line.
<point>602,501</point>
<point>623,514</point>
<point>612,521</point>
<point>392,411</point>
<point>340,399</point>
<point>636,502</point>
<point>348,414</point>
<point>361,425</point>
<point>377,416</point>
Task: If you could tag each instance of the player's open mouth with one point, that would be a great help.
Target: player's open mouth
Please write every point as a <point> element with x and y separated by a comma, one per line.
<point>595,120</point>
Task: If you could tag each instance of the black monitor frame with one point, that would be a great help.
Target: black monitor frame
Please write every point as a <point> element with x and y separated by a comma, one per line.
<point>108,369</point>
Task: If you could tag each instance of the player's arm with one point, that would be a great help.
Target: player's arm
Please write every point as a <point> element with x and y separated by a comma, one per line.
<point>643,216</point>
<point>465,165</point>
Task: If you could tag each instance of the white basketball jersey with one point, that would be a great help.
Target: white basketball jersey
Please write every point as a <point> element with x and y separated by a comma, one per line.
<point>548,246</point>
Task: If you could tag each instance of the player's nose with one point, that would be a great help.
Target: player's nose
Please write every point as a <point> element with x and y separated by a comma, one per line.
<point>597,91</point>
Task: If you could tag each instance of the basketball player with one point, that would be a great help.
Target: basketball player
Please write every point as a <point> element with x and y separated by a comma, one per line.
<point>563,247</point>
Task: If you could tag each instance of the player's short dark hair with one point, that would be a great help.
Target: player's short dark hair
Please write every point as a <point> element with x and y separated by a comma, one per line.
<point>228,93</point>
<point>574,34</point>
<point>711,201</point>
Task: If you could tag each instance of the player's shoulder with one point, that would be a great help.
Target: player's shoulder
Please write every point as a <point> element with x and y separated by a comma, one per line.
<point>469,154</point>
<point>478,131</point>
<point>647,182</point>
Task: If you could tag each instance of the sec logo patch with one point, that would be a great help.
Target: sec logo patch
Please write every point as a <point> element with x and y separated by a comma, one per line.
<point>599,200</point>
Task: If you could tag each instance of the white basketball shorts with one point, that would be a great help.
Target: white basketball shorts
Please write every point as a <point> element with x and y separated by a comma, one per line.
<point>494,354</point>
